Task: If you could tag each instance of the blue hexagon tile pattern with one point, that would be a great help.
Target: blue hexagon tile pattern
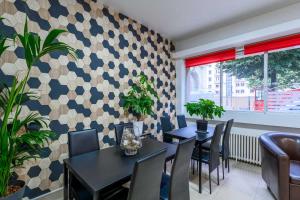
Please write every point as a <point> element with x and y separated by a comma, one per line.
<point>112,49</point>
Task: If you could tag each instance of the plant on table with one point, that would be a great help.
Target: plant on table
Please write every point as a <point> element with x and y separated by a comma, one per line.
<point>19,143</point>
<point>206,109</point>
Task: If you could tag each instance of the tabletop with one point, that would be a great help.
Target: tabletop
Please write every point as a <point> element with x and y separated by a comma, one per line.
<point>100,169</point>
<point>190,131</point>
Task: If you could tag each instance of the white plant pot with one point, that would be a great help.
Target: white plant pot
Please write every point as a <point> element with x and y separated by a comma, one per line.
<point>138,128</point>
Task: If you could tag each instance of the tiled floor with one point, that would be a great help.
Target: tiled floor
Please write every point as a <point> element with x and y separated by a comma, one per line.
<point>244,182</point>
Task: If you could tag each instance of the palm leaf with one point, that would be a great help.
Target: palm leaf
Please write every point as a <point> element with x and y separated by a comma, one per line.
<point>51,37</point>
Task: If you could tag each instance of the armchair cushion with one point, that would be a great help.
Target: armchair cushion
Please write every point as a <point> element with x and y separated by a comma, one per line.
<point>295,172</point>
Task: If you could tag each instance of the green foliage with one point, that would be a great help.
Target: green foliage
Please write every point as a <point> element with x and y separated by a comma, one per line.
<point>283,70</point>
<point>139,100</point>
<point>204,108</point>
<point>3,39</point>
<point>17,142</point>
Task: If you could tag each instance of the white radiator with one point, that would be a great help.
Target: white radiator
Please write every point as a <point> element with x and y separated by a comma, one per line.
<point>245,148</point>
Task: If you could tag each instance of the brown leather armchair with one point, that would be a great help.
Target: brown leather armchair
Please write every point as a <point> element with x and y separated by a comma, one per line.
<point>281,164</point>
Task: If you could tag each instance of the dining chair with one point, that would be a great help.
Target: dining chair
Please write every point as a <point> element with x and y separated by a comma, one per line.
<point>181,121</point>
<point>145,180</point>
<point>224,148</point>
<point>119,128</point>
<point>176,185</point>
<point>80,142</point>
<point>210,157</point>
<point>166,126</point>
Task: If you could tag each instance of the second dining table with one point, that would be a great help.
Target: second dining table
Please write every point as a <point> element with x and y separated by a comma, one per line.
<point>189,132</point>
<point>109,167</point>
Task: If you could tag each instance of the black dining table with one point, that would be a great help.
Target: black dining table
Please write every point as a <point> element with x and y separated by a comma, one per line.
<point>102,169</point>
<point>201,138</point>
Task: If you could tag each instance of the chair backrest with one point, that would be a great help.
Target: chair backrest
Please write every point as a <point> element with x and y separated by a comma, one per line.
<point>226,137</point>
<point>119,128</point>
<point>215,147</point>
<point>166,126</point>
<point>84,141</point>
<point>146,178</point>
<point>179,183</point>
<point>181,121</point>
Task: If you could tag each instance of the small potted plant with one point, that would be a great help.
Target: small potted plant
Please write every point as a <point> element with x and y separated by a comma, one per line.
<point>19,140</point>
<point>206,109</point>
<point>140,101</point>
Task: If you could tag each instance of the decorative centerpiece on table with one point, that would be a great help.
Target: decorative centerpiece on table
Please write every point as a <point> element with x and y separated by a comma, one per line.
<point>20,142</point>
<point>206,109</point>
<point>140,101</point>
<point>130,143</point>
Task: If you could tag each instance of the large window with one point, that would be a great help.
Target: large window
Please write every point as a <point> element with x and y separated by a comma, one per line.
<point>202,82</point>
<point>241,84</point>
<point>284,81</point>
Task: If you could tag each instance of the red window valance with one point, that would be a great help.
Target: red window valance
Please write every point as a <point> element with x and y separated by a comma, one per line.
<point>273,44</point>
<point>219,56</point>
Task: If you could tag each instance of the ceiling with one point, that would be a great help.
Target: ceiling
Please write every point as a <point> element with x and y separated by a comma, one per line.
<point>179,19</point>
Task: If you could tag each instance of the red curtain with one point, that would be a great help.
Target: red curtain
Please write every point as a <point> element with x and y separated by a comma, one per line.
<point>273,44</point>
<point>219,56</point>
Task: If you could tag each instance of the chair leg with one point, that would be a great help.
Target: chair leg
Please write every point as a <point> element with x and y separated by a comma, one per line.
<point>228,165</point>
<point>165,167</point>
<point>193,166</point>
<point>209,177</point>
<point>223,168</point>
<point>198,166</point>
<point>218,175</point>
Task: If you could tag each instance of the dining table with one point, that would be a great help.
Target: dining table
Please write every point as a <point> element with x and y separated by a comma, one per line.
<point>201,137</point>
<point>109,167</point>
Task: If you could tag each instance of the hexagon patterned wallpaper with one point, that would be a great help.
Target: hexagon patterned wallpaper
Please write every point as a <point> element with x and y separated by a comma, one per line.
<point>113,49</point>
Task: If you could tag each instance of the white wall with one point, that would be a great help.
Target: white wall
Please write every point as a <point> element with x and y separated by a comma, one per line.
<point>273,24</point>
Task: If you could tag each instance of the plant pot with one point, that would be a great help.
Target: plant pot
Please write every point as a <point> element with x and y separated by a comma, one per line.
<point>138,128</point>
<point>17,195</point>
<point>202,125</point>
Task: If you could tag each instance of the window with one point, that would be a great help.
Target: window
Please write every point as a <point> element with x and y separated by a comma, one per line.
<point>242,79</point>
<point>284,81</point>
<point>240,84</point>
<point>199,84</point>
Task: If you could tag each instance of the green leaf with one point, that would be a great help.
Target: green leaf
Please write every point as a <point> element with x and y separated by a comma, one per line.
<point>52,36</point>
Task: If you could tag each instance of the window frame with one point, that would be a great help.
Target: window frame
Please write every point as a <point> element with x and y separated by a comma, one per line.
<point>265,83</point>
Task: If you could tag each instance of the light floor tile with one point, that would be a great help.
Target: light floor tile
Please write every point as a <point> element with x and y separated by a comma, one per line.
<point>244,182</point>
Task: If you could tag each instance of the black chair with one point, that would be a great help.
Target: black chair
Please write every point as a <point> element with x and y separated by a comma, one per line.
<point>146,179</point>
<point>210,157</point>
<point>224,148</point>
<point>80,142</point>
<point>119,128</point>
<point>181,121</point>
<point>176,186</point>
<point>166,126</point>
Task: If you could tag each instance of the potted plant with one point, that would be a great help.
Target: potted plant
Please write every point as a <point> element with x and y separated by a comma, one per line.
<point>206,109</point>
<point>19,142</point>
<point>139,101</point>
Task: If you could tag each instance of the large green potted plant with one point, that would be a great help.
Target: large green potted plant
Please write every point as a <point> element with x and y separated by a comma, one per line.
<point>206,109</point>
<point>140,101</point>
<point>18,142</point>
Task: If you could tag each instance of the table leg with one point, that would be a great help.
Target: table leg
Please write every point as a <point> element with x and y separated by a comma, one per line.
<point>200,167</point>
<point>66,182</point>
